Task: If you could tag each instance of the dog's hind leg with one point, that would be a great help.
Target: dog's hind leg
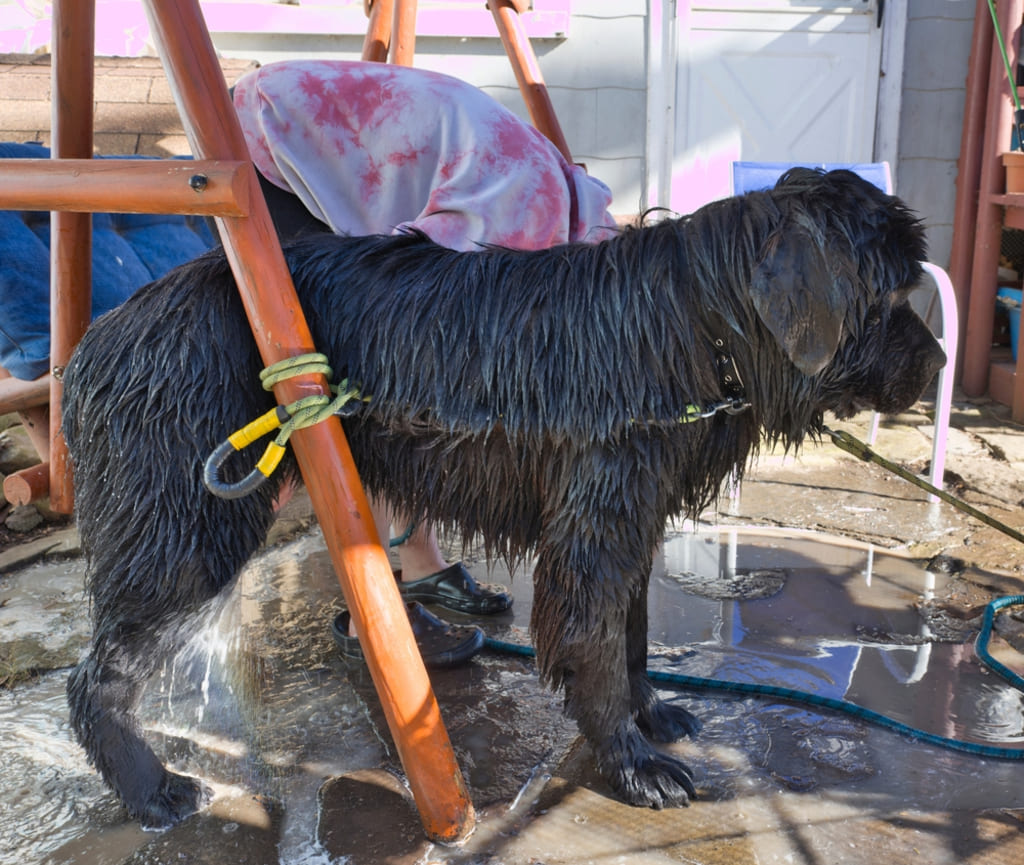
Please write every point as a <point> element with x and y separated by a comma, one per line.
<point>660,721</point>
<point>148,586</point>
<point>103,691</point>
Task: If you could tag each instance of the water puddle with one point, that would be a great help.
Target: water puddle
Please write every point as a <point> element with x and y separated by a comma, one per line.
<point>843,620</point>
<point>265,707</point>
<point>836,619</point>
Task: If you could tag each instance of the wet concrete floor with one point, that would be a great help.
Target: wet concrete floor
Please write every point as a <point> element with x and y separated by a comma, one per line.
<point>823,576</point>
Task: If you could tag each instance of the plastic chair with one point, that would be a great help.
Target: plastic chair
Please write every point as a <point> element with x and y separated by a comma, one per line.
<point>751,176</point>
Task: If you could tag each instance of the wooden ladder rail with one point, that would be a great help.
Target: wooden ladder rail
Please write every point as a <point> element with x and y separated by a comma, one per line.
<point>391,36</point>
<point>990,215</point>
<point>280,330</point>
<point>73,186</point>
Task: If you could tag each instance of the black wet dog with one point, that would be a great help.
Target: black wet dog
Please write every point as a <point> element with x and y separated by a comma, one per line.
<point>534,398</point>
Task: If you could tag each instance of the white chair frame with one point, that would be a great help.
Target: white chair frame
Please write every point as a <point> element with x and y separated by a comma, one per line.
<point>748,176</point>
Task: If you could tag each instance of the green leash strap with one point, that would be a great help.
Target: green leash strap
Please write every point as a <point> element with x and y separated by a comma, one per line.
<point>297,415</point>
<point>852,445</point>
<point>698,683</point>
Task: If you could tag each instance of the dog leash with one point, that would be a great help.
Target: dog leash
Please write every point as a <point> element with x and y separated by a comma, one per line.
<point>852,445</point>
<point>312,410</point>
<point>729,381</point>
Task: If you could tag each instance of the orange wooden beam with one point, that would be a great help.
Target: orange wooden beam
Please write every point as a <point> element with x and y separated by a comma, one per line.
<point>125,186</point>
<point>18,394</point>
<point>992,182</point>
<point>528,74</point>
<point>378,30</point>
<point>403,33</point>
<point>70,233</point>
<point>28,485</point>
<point>968,175</point>
<point>326,463</point>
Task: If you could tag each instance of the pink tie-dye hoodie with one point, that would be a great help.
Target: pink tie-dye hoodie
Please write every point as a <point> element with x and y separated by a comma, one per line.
<point>372,148</point>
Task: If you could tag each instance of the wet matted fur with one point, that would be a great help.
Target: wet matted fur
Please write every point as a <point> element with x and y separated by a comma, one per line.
<point>532,398</point>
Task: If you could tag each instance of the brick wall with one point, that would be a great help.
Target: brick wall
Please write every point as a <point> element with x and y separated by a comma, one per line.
<point>134,109</point>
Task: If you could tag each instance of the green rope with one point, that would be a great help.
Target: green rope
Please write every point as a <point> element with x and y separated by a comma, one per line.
<point>308,410</point>
<point>857,448</point>
<point>791,695</point>
<point>302,413</point>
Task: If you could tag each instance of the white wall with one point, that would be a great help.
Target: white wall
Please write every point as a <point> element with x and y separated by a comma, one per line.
<point>938,46</point>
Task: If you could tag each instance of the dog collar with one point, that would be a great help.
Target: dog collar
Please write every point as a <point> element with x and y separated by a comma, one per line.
<point>730,382</point>
<point>728,375</point>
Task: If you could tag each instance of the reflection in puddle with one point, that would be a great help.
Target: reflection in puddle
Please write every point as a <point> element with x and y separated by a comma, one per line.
<point>47,789</point>
<point>839,620</point>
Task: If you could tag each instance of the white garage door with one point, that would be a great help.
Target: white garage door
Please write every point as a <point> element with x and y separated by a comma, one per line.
<point>770,80</point>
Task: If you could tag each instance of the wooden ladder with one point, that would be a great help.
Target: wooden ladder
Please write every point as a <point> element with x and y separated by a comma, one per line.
<point>72,186</point>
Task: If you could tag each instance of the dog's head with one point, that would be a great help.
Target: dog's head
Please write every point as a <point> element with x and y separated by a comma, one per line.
<point>831,284</point>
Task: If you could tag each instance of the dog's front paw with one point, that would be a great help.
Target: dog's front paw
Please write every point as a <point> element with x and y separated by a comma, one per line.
<point>644,777</point>
<point>665,722</point>
<point>655,781</point>
<point>177,798</point>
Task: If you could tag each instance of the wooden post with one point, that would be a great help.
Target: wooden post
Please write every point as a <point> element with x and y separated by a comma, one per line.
<point>988,236</point>
<point>331,478</point>
<point>968,175</point>
<point>18,394</point>
<point>28,485</point>
<point>70,233</point>
<point>211,188</point>
<point>528,74</point>
<point>403,33</point>
<point>378,30</point>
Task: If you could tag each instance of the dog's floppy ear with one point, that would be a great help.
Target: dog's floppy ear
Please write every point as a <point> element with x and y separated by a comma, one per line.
<point>799,294</point>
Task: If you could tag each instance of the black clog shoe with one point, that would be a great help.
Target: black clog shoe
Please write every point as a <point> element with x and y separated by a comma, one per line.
<point>454,589</point>
<point>441,643</point>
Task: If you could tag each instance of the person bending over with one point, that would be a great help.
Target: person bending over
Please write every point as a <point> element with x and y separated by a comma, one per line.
<point>368,148</point>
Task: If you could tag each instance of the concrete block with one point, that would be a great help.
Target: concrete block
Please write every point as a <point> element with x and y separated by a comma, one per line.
<point>937,53</point>
<point>163,145</point>
<point>24,115</point>
<point>122,88</point>
<point>929,187</point>
<point>39,136</point>
<point>944,9</point>
<point>620,45</point>
<point>126,117</point>
<point>607,9</point>
<point>930,124</point>
<point>624,178</point>
<point>115,143</point>
<point>24,83</point>
<point>606,122</point>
